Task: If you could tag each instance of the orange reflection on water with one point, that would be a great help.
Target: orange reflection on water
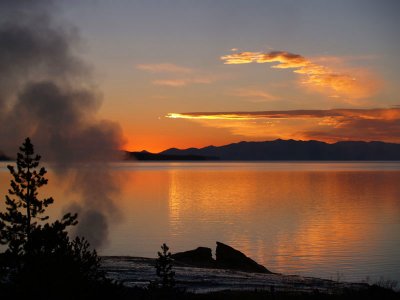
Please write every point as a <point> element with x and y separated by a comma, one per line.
<point>316,220</point>
<point>343,228</point>
<point>286,220</point>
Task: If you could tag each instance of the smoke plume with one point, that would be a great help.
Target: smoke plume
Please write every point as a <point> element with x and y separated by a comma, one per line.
<point>46,93</point>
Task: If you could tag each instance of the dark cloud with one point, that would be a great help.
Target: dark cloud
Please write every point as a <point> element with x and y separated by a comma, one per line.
<point>364,129</point>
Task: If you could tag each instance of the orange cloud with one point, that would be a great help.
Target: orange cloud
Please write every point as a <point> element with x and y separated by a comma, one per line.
<point>164,68</point>
<point>350,83</point>
<point>177,76</point>
<point>211,116</point>
<point>254,95</point>
<point>183,81</point>
<point>326,125</point>
<point>171,82</point>
<point>374,113</point>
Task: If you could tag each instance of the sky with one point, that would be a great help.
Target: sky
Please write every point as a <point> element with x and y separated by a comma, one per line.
<point>197,73</point>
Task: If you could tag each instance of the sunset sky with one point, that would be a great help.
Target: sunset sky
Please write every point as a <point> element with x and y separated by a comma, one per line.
<point>198,73</point>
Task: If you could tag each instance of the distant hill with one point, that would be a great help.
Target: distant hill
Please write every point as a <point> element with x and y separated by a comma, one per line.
<point>274,151</point>
<point>294,150</point>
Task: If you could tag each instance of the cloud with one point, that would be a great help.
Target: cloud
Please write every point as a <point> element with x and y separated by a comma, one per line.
<point>164,68</point>
<point>254,95</point>
<point>212,116</point>
<point>177,76</point>
<point>374,113</point>
<point>326,125</point>
<point>348,83</point>
<point>183,81</point>
<point>171,82</point>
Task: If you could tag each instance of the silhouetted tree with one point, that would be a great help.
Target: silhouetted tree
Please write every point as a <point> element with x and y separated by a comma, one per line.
<point>41,260</point>
<point>22,202</point>
<point>54,263</point>
<point>164,268</point>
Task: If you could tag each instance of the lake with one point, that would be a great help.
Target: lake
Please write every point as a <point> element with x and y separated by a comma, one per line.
<point>338,220</point>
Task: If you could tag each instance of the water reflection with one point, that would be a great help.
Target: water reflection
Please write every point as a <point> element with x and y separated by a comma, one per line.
<point>306,221</point>
<point>319,219</point>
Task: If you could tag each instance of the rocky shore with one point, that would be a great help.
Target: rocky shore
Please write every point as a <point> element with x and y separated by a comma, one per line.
<point>197,271</point>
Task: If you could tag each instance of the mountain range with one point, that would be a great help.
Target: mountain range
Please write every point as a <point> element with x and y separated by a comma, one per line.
<point>281,150</point>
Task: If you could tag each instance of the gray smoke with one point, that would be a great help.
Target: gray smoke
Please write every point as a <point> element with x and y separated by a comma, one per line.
<point>46,93</point>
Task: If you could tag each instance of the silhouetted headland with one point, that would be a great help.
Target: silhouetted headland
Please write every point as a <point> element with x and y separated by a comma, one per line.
<point>3,157</point>
<point>147,156</point>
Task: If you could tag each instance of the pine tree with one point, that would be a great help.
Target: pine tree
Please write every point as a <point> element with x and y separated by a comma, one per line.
<point>41,260</point>
<point>164,268</point>
<point>23,206</point>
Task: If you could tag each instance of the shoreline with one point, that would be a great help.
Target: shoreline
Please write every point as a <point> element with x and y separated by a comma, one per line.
<point>139,271</point>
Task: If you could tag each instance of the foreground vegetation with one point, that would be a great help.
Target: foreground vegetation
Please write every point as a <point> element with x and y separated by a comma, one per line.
<point>41,260</point>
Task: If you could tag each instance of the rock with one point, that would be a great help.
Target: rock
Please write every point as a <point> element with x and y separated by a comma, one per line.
<point>226,258</point>
<point>230,258</point>
<point>200,257</point>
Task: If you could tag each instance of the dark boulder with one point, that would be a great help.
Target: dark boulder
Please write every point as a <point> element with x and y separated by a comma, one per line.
<point>200,257</point>
<point>230,258</point>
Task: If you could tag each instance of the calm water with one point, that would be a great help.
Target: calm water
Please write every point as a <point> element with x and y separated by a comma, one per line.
<point>332,220</point>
